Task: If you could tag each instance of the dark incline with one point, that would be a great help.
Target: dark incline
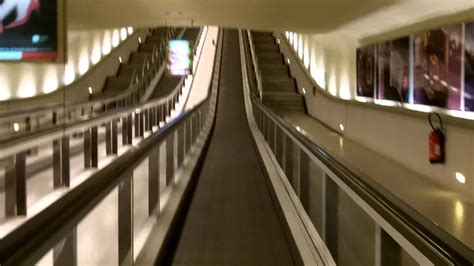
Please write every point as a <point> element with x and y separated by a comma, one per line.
<point>231,219</point>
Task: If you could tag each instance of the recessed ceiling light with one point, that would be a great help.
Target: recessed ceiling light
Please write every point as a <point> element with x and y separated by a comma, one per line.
<point>341,126</point>
<point>461,178</point>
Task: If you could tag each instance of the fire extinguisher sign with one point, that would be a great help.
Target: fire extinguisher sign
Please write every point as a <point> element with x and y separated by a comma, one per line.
<point>436,140</point>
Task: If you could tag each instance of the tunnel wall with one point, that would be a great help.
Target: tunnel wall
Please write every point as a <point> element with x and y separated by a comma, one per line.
<point>88,53</point>
<point>397,133</point>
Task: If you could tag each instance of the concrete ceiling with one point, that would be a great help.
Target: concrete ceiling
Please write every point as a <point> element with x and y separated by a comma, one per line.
<point>359,19</point>
<point>408,16</point>
<point>295,15</point>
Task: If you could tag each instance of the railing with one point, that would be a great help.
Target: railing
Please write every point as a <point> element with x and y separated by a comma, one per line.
<point>53,114</point>
<point>360,223</point>
<point>106,219</point>
<point>256,68</point>
<point>66,141</point>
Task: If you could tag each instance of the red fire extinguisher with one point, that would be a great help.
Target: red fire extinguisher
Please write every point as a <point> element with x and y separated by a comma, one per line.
<point>436,140</point>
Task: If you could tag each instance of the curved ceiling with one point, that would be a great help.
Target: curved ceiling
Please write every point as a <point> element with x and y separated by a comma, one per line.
<point>409,16</point>
<point>295,15</point>
<point>357,18</point>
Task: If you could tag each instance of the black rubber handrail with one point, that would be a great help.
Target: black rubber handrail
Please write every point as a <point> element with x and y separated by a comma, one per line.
<point>421,232</point>
<point>52,106</point>
<point>383,200</point>
<point>87,121</point>
<point>39,233</point>
<point>38,229</point>
<point>83,122</point>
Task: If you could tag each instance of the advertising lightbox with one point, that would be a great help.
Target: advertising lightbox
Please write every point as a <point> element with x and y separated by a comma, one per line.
<point>365,71</point>
<point>431,68</point>
<point>179,57</point>
<point>32,30</point>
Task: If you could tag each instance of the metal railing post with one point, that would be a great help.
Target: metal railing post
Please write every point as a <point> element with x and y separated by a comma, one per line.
<point>15,186</point>
<point>61,162</point>
<point>108,138</point>
<point>125,220</point>
<point>153,181</point>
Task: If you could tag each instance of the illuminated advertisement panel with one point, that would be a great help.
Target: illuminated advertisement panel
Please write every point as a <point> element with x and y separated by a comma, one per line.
<point>469,68</point>
<point>433,68</point>
<point>32,30</point>
<point>393,70</point>
<point>437,67</point>
<point>179,57</point>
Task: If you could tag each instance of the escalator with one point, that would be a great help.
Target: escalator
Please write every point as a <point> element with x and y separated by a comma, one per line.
<point>114,85</point>
<point>199,191</point>
<point>279,91</point>
<point>232,219</point>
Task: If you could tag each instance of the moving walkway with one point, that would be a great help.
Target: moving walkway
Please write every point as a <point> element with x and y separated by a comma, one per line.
<point>229,182</point>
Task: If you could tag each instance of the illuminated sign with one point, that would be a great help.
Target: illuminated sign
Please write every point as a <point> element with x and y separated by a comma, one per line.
<point>179,57</point>
<point>429,68</point>
<point>32,30</point>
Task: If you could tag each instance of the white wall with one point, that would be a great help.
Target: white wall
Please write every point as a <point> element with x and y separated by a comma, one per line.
<point>329,61</point>
<point>84,50</point>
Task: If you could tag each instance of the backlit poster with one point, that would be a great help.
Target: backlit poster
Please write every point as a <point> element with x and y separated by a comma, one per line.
<point>365,72</point>
<point>438,66</point>
<point>31,30</point>
<point>393,59</point>
<point>179,57</point>
<point>469,68</point>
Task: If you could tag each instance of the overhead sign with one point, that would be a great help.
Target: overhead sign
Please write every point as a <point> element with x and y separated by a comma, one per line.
<point>32,30</point>
<point>179,57</point>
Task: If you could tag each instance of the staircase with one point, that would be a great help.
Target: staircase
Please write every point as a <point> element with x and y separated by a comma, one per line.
<point>114,85</point>
<point>279,90</point>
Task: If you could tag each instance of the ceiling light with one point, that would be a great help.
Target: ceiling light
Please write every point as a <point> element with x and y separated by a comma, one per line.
<point>16,127</point>
<point>123,34</point>
<point>69,74</point>
<point>341,126</point>
<point>115,38</point>
<point>461,178</point>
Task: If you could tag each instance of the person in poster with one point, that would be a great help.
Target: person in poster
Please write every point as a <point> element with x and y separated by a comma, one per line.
<point>365,71</point>
<point>437,67</point>
<point>392,72</point>
<point>469,68</point>
<point>28,29</point>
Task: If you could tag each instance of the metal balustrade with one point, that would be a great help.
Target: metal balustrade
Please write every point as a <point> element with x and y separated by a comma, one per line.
<point>81,142</point>
<point>106,219</point>
<point>255,66</point>
<point>360,223</point>
<point>54,114</point>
